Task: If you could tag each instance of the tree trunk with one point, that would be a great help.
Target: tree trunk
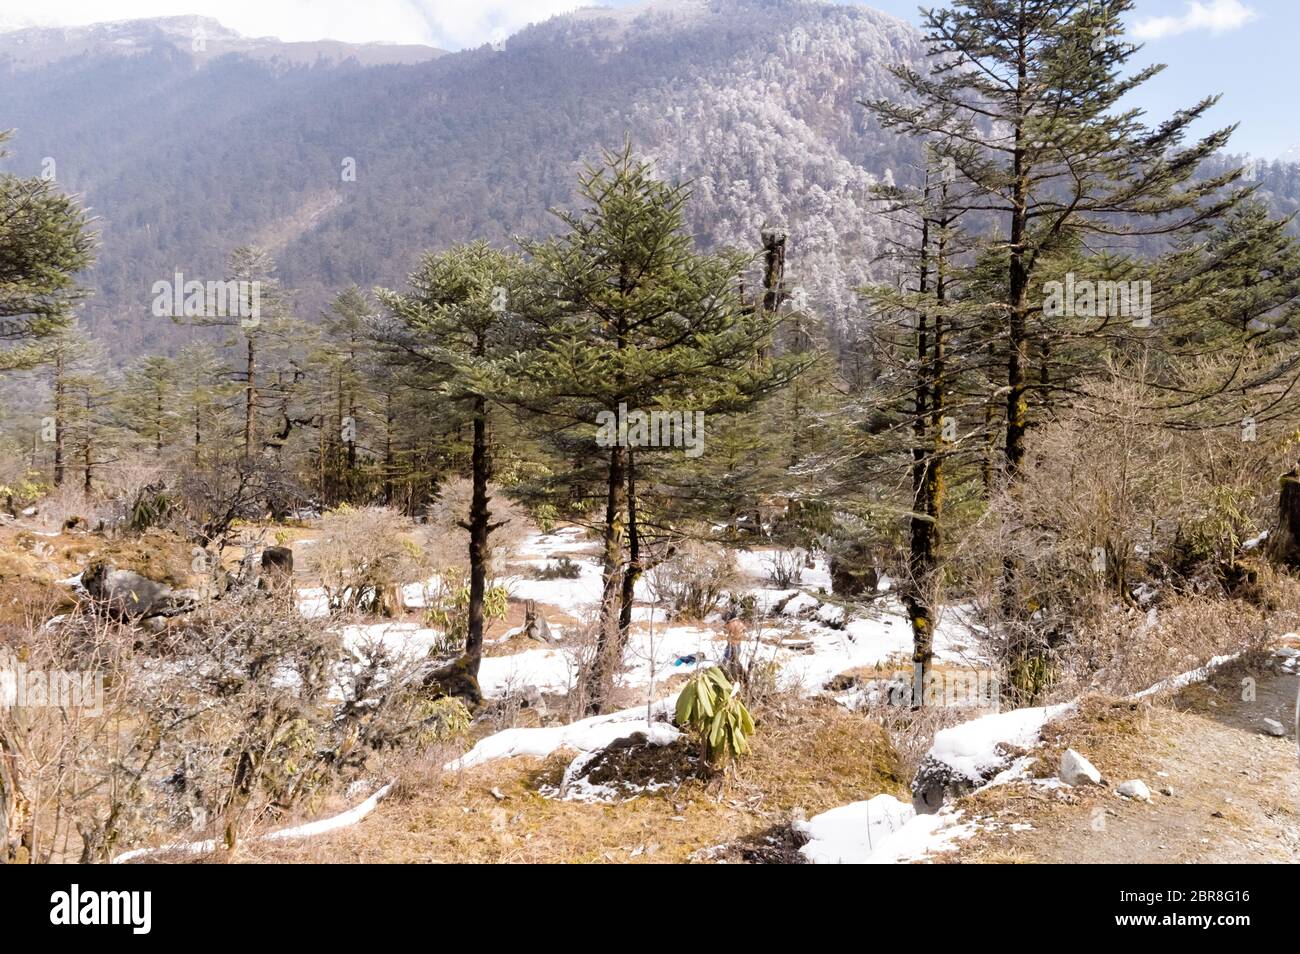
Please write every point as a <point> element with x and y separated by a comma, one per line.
<point>478,539</point>
<point>920,560</point>
<point>59,413</point>
<point>250,401</point>
<point>1284,542</point>
<point>1018,341</point>
<point>86,451</point>
<point>634,568</point>
<point>609,643</point>
<point>388,448</point>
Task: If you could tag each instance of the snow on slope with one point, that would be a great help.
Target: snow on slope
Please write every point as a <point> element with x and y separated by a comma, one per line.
<point>810,643</point>
<point>971,748</point>
<point>884,830</point>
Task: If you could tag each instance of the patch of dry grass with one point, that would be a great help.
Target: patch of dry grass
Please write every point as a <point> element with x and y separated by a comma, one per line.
<point>807,755</point>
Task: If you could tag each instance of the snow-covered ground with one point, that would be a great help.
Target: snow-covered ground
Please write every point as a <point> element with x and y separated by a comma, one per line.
<point>883,830</point>
<point>583,736</point>
<point>880,830</point>
<point>810,641</point>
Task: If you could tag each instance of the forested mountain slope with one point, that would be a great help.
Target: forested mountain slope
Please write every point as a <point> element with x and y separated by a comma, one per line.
<point>184,154</point>
<point>756,101</point>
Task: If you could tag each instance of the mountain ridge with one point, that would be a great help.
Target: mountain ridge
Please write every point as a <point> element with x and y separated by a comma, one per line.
<point>202,37</point>
<point>755,102</point>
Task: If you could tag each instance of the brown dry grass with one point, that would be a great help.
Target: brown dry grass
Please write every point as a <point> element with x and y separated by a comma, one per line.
<point>161,555</point>
<point>807,755</point>
<point>1230,784</point>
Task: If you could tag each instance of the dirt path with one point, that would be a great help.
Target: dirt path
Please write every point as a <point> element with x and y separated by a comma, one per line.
<point>1235,790</point>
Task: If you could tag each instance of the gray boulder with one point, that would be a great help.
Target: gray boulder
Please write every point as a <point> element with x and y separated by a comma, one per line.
<point>1076,770</point>
<point>535,626</point>
<point>131,596</point>
<point>937,782</point>
<point>1135,788</point>
<point>1275,728</point>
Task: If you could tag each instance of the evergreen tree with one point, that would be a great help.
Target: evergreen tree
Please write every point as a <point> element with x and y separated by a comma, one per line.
<point>44,243</point>
<point>147,402</point>
<point>635,320</point>
<point>449,331</point>
<point>204,398</point>
<point>1022,102</point>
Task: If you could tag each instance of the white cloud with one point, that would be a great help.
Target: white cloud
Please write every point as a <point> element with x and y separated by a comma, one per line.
<point>1216,16</point>
<point>451,24</point>
<point>470,24</point>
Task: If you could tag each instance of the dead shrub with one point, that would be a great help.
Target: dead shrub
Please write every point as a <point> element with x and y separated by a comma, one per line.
<point>1115,515</point>
<point>695,580</point>
<point>363,555</point>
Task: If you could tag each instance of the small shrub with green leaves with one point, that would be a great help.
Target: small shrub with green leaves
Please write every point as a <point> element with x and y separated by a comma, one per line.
<point>710,709</point>
<point>545,515</point>
<point>449,612</point>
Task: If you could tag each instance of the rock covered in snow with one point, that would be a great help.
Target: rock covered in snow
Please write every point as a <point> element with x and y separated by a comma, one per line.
<point>1077,770</point>
<point>936,782</point>
<point>1135,788</point>
<point>972,753</point>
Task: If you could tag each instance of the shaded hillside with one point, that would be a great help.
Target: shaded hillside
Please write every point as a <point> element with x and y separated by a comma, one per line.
<point>182,158</point>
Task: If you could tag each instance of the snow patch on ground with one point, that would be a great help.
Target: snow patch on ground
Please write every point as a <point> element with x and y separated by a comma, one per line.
<point>971,748</point>
<point>563,540</point>
<point>309,830</point>
<point>880,830</point>
<point>409,640</point>
<point>1187,678</point>
<point>549,670</point>
<point>583,736</point>
<point>672,651</point>
<point>575,597</point>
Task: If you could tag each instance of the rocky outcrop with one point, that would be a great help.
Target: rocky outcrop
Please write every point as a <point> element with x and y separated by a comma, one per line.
<point>535,626</point>
<point>128,595</point>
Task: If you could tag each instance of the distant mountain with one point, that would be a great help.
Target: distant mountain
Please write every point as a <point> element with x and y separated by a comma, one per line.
<point>184,154</point>
<point>203,38</point>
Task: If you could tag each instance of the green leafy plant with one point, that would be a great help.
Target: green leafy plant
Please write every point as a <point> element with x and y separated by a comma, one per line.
<point>150,507</point>
<point>450,613</point>
<point>710,709</point>
<point>545,516</point>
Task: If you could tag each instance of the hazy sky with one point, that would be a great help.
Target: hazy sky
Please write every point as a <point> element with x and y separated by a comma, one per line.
<point>1244,49</point>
